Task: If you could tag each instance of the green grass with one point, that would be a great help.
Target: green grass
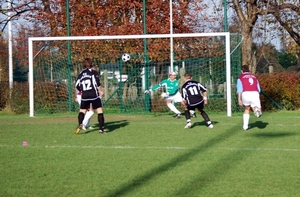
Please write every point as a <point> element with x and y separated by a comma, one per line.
<point>150,155</point>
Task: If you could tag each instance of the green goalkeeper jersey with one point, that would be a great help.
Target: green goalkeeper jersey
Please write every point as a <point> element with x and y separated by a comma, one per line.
<point>172,87</point>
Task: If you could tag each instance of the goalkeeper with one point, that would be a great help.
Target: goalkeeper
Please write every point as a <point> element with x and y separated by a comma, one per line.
<point>172,94</point>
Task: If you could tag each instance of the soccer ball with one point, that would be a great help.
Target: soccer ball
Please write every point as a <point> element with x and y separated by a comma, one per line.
<point>125,57</point>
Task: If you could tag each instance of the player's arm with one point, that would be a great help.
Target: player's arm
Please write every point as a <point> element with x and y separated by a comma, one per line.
<point>77,85</point>
<point>183,103</point>
<point>184,95</point>
<point>239,90</point>
<point>97,81</point>
<point>101,93</point>
<point>258,86</point>
<point>203,90</point>
<point>155,87</point>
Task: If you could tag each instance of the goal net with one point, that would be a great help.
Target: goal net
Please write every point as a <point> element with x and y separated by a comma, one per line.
<point>55,62</point>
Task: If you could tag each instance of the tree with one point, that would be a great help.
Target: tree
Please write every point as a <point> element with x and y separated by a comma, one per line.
<point>287,60</point>
<point>247,13</point>
<point>118,17</point>
<point>285,13</point>
<point>3,60</point>
<point>110,17</point>
<point>19,9</point>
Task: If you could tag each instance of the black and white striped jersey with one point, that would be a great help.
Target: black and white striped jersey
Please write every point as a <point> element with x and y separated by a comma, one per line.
<point>191,91</point>
<point>88,82</point>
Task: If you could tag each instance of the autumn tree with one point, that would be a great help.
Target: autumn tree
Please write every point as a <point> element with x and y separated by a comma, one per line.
<point>287,15</point>
<point>111,17</point>
<point>284,13</point>
<point>117,18</point>
<point>98,17</point>
<point>3,60</point>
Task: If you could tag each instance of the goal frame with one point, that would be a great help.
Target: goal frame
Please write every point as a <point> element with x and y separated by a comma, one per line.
<point>145,36</point>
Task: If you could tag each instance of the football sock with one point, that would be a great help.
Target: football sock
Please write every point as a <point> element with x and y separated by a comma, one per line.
<point>101,121</point>
<point>173,108</point>
<point>187,116</point>
<point>205,116</point>
<point>246,118</point>
<point>80,117</point>
<point>87,117</point>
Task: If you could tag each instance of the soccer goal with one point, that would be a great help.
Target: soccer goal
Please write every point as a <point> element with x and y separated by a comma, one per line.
<point>54,63</point>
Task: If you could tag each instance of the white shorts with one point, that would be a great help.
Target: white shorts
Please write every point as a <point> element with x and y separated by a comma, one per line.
<point>78,99</point>
<point>177,98</point>
<point>251,99</point>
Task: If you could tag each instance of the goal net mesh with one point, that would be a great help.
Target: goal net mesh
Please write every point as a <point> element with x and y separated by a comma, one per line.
<point>55,69</point>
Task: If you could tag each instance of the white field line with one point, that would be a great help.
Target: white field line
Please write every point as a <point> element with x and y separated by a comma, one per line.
<point>153,147</point>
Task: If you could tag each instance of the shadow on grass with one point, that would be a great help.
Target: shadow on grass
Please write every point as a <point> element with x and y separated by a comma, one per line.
<point>274,134</point>
<point>203,123</point>
<point>219,168</point>
<point>258,124</point>
<point>109,126</point>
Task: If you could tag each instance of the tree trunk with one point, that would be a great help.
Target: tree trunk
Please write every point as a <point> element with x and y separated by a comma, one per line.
<point>247,13</point>
<point>254,63</point>
<point>246,48</point>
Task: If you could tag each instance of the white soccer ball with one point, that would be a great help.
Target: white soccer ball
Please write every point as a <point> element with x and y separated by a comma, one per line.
<point>125,57</point>
<point>164,95</point>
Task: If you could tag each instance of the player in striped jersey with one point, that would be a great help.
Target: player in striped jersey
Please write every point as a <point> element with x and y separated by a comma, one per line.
<point>194,96</point>
<point>88,83</point>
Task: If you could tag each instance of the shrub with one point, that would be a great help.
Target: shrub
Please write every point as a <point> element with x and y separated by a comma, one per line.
<point>282,88</point>
<point>19,102</point>
<point>4,95</point>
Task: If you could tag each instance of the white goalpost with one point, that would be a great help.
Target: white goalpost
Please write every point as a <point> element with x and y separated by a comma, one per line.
<point>226,35</point>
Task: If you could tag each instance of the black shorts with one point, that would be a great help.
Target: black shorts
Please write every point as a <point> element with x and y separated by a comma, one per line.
<point>97,103</point>
<point>199,106</point>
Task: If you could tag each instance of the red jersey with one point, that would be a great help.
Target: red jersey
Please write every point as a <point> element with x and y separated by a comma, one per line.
<point>249,82</point>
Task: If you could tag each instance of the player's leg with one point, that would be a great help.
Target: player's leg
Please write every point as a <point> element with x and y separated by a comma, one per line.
<point>88,114</point>
<point>204,115</point>
<point>255,104</point>
<point>246,99</point>
<point>97,104</point>
<point>170,103</point>
<point>172,107</point>
<point>187,117</point>
<point>101,120</point>
<point>246,117</point>
<point>81,116</point>
<point>87,118</point>
<point>80,119</point>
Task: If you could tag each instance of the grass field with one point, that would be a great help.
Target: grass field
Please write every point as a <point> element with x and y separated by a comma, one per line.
<point>150,155</point>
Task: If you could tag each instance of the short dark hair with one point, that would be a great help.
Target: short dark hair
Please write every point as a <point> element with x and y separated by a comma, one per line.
<point>188,75</point>
<point>245,68</point>
<point>88,63</point>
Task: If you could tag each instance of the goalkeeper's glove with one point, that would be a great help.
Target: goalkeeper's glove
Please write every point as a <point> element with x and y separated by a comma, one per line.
<point>147,91</point>
<point>164,94</point>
